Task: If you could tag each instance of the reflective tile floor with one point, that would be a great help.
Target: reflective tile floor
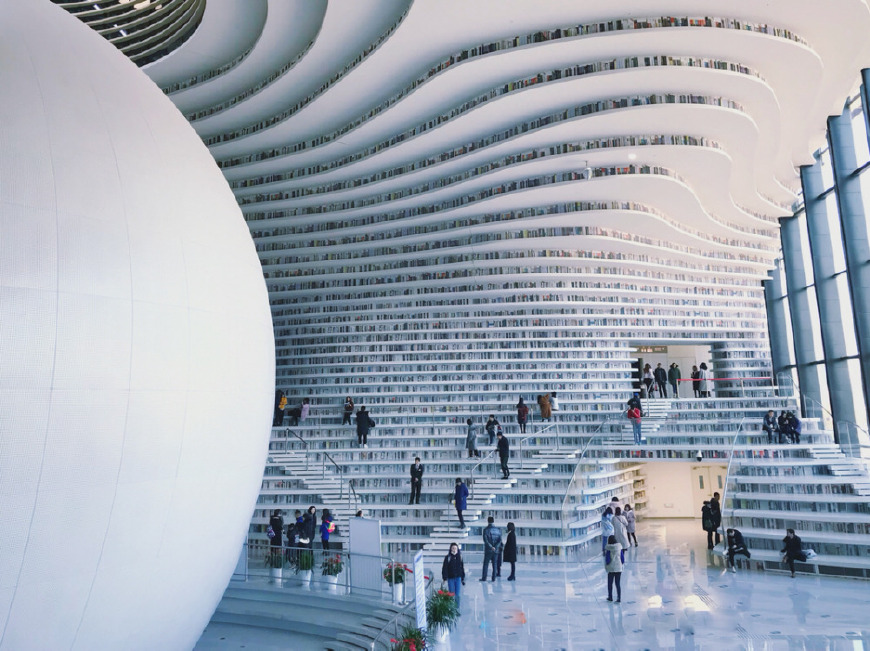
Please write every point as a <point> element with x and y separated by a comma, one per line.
<point>675,595</point>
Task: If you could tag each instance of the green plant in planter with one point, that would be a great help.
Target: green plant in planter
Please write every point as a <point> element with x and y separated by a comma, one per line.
<point>306,561</point>
<point>332,565</point>
<point>395,573</point>
<point>441,610</point>
<point>410,639</point>
<point>275,559</point>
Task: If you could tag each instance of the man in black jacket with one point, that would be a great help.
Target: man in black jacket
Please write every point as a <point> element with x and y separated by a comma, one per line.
<point>504,451</point>
<point>416,480</point>
<point>364,423</point>
<point>491,547</point>
<point>793,549</point>
<point>661,377</point>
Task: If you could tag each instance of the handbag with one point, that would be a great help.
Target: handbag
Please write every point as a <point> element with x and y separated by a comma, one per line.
<point>304,540</point>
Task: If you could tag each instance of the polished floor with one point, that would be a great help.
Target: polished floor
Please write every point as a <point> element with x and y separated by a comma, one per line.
<point>675,595</point>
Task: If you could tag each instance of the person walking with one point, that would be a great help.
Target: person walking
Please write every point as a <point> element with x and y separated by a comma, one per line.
<point>674,377</point>
<point>771,426</point>
<point>736,545</point>
<point>696,381</point>
<point>793,549</point>
<point>453,572</point>
<point>491,547</point>
<point>628,512</point>
<point>416,481</point>
<point>364,424</point>
<point>633,414</point>
<point>648,379</point>
<point>522,415</point>
<point>326,528</point>
<point>503,454</point>
<point>471,439</point>
<point>348,411</point>
<point>606,527</point>
<point>460,500</point>
<point>490,427</point>
<point>614,561</point>
<point>510,551</point>
<point>661,377</point>
<point>545,406</point>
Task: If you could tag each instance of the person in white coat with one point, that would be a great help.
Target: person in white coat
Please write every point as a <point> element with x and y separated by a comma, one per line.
<point>629,517</point>
<point>620,528</point>
<point>614,561</point>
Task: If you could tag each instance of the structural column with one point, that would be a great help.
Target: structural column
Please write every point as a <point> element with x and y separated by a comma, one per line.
<point>856,243</point>
<point>822,240</point>
<point>782,357</point>
<point>797,279</point>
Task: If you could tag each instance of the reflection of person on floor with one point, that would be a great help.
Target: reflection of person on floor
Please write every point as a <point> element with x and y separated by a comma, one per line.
<point>800,604</point>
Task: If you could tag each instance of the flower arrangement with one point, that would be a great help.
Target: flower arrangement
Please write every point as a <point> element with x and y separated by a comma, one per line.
<point>411,639</point>
<point>441,610</point>
<point>395,573</point>
<point>306,561</point>
<point>332,565</point>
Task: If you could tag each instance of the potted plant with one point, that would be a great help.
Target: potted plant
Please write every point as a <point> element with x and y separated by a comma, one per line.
<point>411,639</point>
<point>441,613</point>
<point>275,563</point>
<point>394,574</point>
<point>305,566</point>
<point>332,567</point>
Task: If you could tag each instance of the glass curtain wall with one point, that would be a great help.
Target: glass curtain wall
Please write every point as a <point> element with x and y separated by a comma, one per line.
<point>818,295</point>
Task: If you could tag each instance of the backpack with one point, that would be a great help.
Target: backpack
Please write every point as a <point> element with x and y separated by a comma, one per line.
<point>270,532</point>
<point>335,531</point>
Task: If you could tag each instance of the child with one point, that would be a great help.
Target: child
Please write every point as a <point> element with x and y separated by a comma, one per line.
<point>614,560</point>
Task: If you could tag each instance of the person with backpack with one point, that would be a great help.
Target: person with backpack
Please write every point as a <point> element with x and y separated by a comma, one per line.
<point>614,562</point>
<point>634,415</point>
<point>275,530</point>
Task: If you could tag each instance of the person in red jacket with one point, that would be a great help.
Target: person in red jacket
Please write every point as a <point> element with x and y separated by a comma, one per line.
<point>634,416</point>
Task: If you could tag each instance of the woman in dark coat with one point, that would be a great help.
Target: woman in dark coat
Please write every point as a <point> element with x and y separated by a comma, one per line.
<point>309,526</point>
<point>696,381</point>
<point>522,415</point>
<point>510,550</point>
<point>276,522</point>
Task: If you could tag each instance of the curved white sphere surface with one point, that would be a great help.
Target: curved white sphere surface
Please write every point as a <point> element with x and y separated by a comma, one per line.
<point>136,352</point>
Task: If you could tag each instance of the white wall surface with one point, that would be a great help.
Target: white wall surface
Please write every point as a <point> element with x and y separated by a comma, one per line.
<point>136,352</point>
<point>670,489</point>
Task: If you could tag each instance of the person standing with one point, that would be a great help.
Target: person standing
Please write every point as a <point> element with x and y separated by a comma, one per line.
<point>276,527</point>
<point>706,381</point>
<point>416,480</point>
<point>648,379</point>
<point>736,545</point>
<point>522,415</point>
<point>453,571</point>
<point>510,551</point>
<point>606,526</point>
<point>503,454</point>
<point>491,424</point>
<point>471,439</point>
<point>364,424</point>
<point>491,547</point>
<point>614,561</point>
<point>793,549</point>
<point>348,411</point>
<point>326,528</point>
<point>280,404</point>
<point>460,500</point>
<point>628,512</point>
<point>716,512</point>
<point>696,381</point>
<point>661,377</point>
<point>544,406</point>
<point>771,427</point>
<point>674,377</point>
<point>554,401</point>
<point>309,524</point>
<point>707,523</point>
<point>634,416</point>
<point>620,528</point>
<point>304,409</point>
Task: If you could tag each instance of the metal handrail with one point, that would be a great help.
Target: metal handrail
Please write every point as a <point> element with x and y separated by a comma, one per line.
<point>395,618</point>
<point>340,474</point>
<point>535,435</point>
<point>728,470</point>
<point>491,453</point>
<point>304,442</point>
<point>355,496</point>
<point>596,433</point>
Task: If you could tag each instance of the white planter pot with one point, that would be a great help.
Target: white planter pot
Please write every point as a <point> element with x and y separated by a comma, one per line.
<point>398,593</point>
<point>332,583</point>
<point>305,577</point>
<point>275,575</point>
<point>441,634</point>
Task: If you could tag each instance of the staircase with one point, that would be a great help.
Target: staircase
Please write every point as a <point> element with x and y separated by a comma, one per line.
<point>334,491</point>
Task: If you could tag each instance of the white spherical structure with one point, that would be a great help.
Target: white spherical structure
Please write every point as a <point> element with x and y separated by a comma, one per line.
<point>136,352</point>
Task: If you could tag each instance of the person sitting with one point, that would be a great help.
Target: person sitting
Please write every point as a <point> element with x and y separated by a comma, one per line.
<point>736,545</point>
<point>794,428</point>
<point>771,427</point>
<point>793,550</point>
